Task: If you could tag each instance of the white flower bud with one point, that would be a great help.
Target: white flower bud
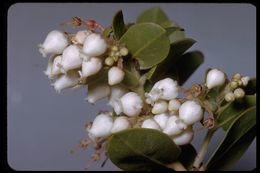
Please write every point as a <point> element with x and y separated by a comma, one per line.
<point>81,36</point>
<point>159,107</point>
<point>132,104</point>
<point>165,89</point>
<point>190,112</point>
<point>174,105</point>
<point>47,72</point>
<point>150,124</point>
<point>94,45</point>
<point>123,51</point>
<point>101,126</point>
<point>239,93</point>
<point>120,123</point>
<point>245,80</point>
<point>97,92</point>
<point>233,84</point>
<point>184,138</point>
<point>174,126</point>
<point>161,119</point>
<point>236,76</point>
<point>66,81</point>
<point>215,78</point>
<point>55,67</point>
<point>90,67</point>
<point>55,43</point>
<point>71,58</point>
<point>230,97</point>
<point>115,75</point>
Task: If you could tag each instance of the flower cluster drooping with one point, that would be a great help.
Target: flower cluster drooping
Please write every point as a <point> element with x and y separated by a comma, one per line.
<point>75,58</point>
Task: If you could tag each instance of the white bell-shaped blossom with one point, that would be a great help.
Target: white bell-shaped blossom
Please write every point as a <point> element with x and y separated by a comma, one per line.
<point>71,58</point>
<point>117,92</point>
<point>101,126</point>
<point>174,126</point>
<point>66,81</point>
<point>115,75</point>
<point>94,45</point>
<point>90,67</point>
<point>55,42</point>
<point>190,112</point>
<point>174,105</point>
<point>55,67</point>
<point>81,36</point>
<point>150,124</point>
<point>132,104</point>
<point>120,123</point>
<point>161,119</point>
<point>47,72</point>
<point>184,138</point>
<point>165,89</point>
<point>215,78</point>
<point>159,107</point>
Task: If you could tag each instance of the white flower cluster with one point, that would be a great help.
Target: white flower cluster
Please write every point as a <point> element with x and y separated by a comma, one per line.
<point>171,116</point>
<point>77,57</point>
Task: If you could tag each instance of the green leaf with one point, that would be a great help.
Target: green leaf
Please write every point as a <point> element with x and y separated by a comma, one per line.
<point>165,69</point>
<point>148,43</point>
<point>238,137</point>
<point>101,76</point>
<point>175,33</point>
<point>188,155</point>
<point>250,89</point>
<point>107,31</point>
<point>118,25</point>
<point>130,80</point>
<point>142,149</point>
<point>235,109</point>
<point>150,73</point>
<point>154,15</point>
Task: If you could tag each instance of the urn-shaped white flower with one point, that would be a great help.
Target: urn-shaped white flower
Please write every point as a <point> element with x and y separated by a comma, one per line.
<point>117,92</point>
<point>115,75</point>
<point>120,123</point>
<point>165,89</point>
<point>97,92</point>
<point>174,105</point>
<point>54,43</point>
<point>81,36</point>
<point>150,124</point>
<point>47,72</point>
<point>66,81</point>
<point>161,119</point>
<point>159,107</point>
<point>101,126</point>
<point>184,138</point>
<point>94,45</point>
<point>55,67</point>
<point>174,126</point>
<point>132,104</point>
<point>90,67</point>
<point>71,58</point>
<point>215,78</point>
<point>245,80</point>
<point>190,112</point>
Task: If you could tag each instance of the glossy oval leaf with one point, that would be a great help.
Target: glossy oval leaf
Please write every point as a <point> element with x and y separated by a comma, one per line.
<point>148,43</point>
<point>238,137</point>
<point>234,110</point>
<point>142,149</point>
<point>154,15</point>
<point>118,24</point>
<point>166,67</point>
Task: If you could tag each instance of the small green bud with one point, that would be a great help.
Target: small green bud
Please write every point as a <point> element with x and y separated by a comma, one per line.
<point>237,76</point>
<point>239,93</point>
<point>123,51</point>
<point>109,61</point>
<point>233,85</point>
<point>230,97</point>
<point>114,48</point>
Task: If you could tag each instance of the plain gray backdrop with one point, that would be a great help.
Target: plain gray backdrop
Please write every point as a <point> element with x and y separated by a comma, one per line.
<point>44,126</point>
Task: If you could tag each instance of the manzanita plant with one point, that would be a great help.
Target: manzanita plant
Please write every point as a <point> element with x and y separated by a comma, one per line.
<point>141,67</point>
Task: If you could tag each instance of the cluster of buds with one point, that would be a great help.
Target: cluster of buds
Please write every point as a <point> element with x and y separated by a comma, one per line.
<point>75,57</point>
<point>235,87</point>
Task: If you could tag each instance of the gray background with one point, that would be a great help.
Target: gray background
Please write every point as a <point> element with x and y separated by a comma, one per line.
<point>43,126</point>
